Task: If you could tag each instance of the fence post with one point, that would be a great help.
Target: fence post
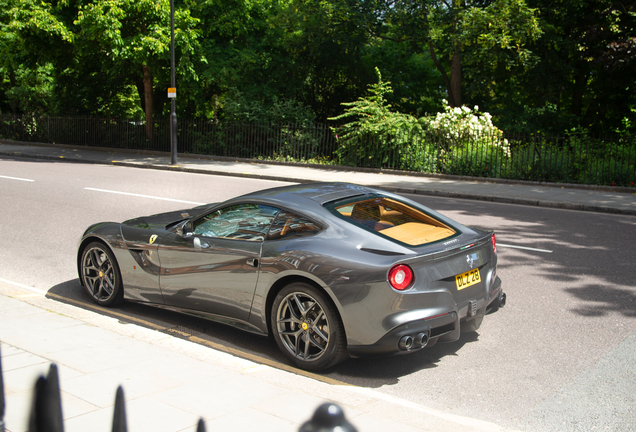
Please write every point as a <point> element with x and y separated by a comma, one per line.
<point>2,403</point>
<point>200,426</point>
<point>328,417</point>
<point>119,415</point>
<point>46,412</point>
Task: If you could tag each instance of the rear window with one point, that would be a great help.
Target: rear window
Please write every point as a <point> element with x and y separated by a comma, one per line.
<point>394,219</point>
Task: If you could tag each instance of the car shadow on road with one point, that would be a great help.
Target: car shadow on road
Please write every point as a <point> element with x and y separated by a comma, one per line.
<point>369,372</point>
<point>382,371</point>
<point>172,323</point>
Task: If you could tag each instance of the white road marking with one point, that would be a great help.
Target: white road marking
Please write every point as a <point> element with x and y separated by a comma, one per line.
<point>16,178</point>
<point>144,196</point>
<point>26,287</point>
<point>523,247</point>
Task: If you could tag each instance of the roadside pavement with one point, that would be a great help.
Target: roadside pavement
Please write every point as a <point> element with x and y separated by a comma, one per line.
<point>574,197</point>
<point>170,382</point>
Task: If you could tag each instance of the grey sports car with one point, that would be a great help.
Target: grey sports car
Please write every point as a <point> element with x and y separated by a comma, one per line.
<point>331,270</point>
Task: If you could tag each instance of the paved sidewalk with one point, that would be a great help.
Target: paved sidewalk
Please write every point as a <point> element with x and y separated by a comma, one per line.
<point>574,197</point>
<point>169,383</point>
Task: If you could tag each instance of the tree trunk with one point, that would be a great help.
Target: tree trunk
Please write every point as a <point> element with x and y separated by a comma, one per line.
<point>454,84</point>
<point>148,102</point>
<point>440,68</point>
<point>456,78</point>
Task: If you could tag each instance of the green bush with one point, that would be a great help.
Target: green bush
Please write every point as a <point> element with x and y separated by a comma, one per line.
<point>479,160</point>
<point>376,136</point>
<point>573,159</point>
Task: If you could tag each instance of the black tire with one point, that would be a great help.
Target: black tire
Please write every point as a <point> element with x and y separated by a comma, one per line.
<point>100,275</point>
<point>307,327</point>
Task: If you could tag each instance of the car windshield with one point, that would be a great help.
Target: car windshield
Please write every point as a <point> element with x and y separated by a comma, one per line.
<point>242,222</point>
<point>392,218</point>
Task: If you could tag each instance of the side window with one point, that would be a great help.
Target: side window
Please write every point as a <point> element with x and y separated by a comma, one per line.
<point>242,221</point>
<point>289,225</point>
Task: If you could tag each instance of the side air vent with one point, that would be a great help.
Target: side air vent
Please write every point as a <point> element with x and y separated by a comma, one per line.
<point>381,252</point>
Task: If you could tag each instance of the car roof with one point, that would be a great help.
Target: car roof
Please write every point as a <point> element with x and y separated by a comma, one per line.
<point>310,193</point>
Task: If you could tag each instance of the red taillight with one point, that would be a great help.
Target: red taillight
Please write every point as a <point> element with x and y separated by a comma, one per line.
<point>494,246</point>
<point>401,277</point>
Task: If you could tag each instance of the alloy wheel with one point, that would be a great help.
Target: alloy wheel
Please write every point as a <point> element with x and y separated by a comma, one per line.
<point>303,326</point>
<point>99,273</point>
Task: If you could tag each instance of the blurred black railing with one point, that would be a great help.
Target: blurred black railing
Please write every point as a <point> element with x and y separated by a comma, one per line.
<point>46,410</point>
<point>583,159</point>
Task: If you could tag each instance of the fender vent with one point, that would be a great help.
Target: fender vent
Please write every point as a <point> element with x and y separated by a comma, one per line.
<point>381,252</point>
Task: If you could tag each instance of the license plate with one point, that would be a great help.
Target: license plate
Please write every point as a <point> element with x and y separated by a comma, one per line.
<point>467,279</point>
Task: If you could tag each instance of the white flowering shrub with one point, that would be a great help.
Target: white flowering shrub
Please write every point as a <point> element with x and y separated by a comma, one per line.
<point>469,143</point>
<point>462,126</point>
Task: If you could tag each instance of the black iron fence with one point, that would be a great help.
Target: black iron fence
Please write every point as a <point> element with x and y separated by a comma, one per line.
<point>583,159</point>
<point>46,410</point>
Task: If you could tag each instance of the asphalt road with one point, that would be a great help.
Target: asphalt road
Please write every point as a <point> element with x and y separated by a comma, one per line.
<point>560,356</point>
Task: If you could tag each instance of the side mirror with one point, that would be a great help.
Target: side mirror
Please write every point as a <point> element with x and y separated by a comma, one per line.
<point>188,228</point>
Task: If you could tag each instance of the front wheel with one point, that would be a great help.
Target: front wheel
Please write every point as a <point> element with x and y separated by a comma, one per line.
<point>307,327</point>
<point>100,275</point>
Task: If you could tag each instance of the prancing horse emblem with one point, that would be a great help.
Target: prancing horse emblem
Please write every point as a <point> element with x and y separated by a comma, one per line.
<point>153,238</point>
<point>469,260</point>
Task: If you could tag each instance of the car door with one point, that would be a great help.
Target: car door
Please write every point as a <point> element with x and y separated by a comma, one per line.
<point>214,268</point>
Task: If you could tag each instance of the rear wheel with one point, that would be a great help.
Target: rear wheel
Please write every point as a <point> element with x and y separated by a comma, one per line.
<point>100,275</point>
<point>307,327</point>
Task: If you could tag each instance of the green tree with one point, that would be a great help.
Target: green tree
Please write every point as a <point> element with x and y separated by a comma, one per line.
<point>417,85</point>
<point>32,38</point>
<point>130,41</point>
<point>456,33</point>
<point>585,76</point>
<point>325,42</point>
<point>295,52</point>
<point>241,55</point>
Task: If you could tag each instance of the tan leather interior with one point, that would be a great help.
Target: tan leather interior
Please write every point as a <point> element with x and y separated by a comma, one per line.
<point>414,233</point>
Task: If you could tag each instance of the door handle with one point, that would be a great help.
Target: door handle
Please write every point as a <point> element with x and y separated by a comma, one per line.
<point>198,243</point>
<point>253,262</point>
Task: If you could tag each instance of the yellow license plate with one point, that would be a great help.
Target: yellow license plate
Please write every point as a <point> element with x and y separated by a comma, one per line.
<point>467,279</point>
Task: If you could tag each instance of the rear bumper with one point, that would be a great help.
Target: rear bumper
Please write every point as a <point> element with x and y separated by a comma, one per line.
<point>495,293</point>
<point>443,328</point>
<point>389,344</point>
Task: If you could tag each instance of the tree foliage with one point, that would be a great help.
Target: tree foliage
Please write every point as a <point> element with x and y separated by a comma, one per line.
<point>130,41</point>
<point>585,73</point>
<point>534,64</point>
<point>32,38</point>
<point>474,36</point>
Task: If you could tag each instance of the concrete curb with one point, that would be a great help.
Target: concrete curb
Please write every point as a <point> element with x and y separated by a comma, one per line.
<point>619,189</point>
<point>565,205</point>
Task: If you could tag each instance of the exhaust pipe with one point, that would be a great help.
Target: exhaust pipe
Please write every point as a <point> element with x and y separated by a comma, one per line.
<point>406,343</point>
<point>502,299</point>
<point>421,340</point>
